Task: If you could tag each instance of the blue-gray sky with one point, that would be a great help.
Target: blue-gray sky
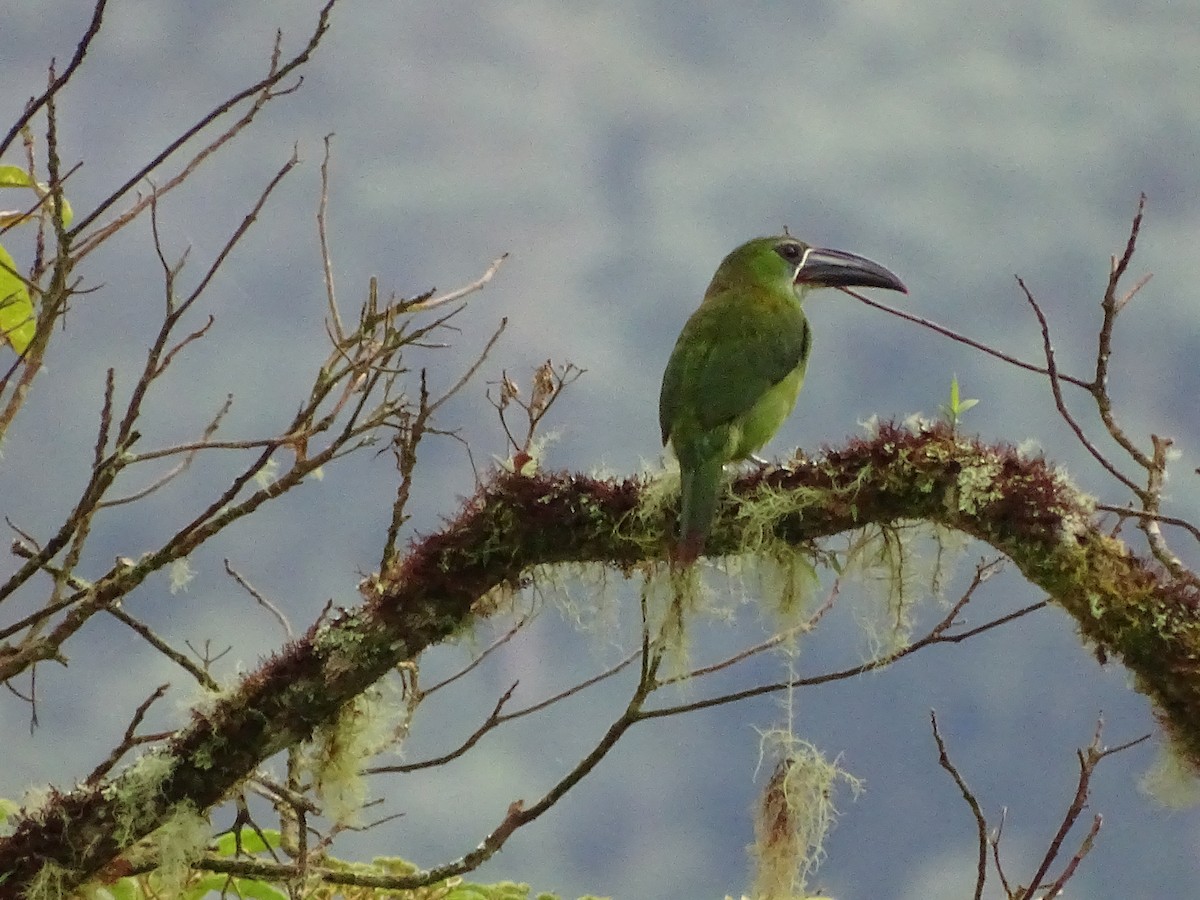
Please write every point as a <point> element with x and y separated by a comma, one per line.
<point>617,151</point>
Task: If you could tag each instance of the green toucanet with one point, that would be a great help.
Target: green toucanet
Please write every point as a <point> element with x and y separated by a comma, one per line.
<point>738,365</point>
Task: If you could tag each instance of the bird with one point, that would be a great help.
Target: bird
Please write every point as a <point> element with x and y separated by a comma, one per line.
<point>739,363</point>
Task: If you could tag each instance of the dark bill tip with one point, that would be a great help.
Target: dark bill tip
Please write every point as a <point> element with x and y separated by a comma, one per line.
<point>836,268</point>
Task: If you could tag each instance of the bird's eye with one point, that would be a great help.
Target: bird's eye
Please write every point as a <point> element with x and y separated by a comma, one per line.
<point>791,252</point>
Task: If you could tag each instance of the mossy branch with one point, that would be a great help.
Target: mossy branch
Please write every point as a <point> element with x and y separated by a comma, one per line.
<point>1024,508</point>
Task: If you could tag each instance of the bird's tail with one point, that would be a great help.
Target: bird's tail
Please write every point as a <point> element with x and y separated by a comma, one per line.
<point>699,488</point>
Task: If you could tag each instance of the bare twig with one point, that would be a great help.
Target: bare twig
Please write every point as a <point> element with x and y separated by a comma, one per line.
<point>412,427</point>
<point>769,644</point>
<point>242,818</point>
<point>996,860</point>
<point>477,285</point>
<point>466,376</point>
<point>961,338</point>
<point>1060,403</point>
<point>180,659</point>
<point>940,633</point>
<point>480,658</point>
<point>549,383</point>
<point>105,468</point>
<point>263,91</point>
<point>1088,760</point>
<point>262,601</point>
<point>240,232</point>
<point>980,822</point>
<point>1153,463</point>
<point>612,670</point>
<point>335,316</point>
<point>1111,307</point>
<point>131,738</point>
<point>1157,517</point>
<point>41,614</point>
<point>1085,847</point>
<point>179,468</point>
<point>960,636</point>
<point>176,309</point>
<point>57,84</point>
<point>517,816</point>
<point>173,351</point>
<point>104,471</point>
<point>494,718</point>
<point>498,717</point>
<point>1155,478</point>
<point>520,815</point>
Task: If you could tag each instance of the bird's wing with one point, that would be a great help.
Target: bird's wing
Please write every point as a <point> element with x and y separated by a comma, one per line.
<point>730,353</point>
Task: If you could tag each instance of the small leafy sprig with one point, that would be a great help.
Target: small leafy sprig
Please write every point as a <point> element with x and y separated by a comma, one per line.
<point>953,410</point>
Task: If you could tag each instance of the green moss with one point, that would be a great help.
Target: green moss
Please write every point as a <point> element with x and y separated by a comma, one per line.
<point>1172,780</point>
<point>582,592</point>
<point>181,841</point>
<point>788,579</point>
<point>898,565</point>
<point>646,524</point>
<point>50,883</point>
<point>138,798</point>
<point>795,815</point>
<point>338,754</point>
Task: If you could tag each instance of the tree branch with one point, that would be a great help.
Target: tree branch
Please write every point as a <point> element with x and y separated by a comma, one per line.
<point>1023,507</point>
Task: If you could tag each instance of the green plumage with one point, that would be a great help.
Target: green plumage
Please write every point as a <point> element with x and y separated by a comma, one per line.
<point>739,364</point>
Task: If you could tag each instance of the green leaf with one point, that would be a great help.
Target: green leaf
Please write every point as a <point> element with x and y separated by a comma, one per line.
<point>68,214</point>
<point>7,808</point>
<point>18,324</point>
<point>250,888</point>
<point>502,890</point>
<point>125,889</point>
<point>251,842</point>
<point>14,176</point>
<point>952,411</point>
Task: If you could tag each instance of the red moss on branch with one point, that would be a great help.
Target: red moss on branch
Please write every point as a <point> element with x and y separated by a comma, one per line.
<point>1021,506</point>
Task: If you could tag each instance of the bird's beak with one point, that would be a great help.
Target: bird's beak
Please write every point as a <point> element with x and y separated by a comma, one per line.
<point>836,268</point>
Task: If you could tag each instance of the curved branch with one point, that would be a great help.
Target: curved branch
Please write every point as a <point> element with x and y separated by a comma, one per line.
<point>1023,507</point>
